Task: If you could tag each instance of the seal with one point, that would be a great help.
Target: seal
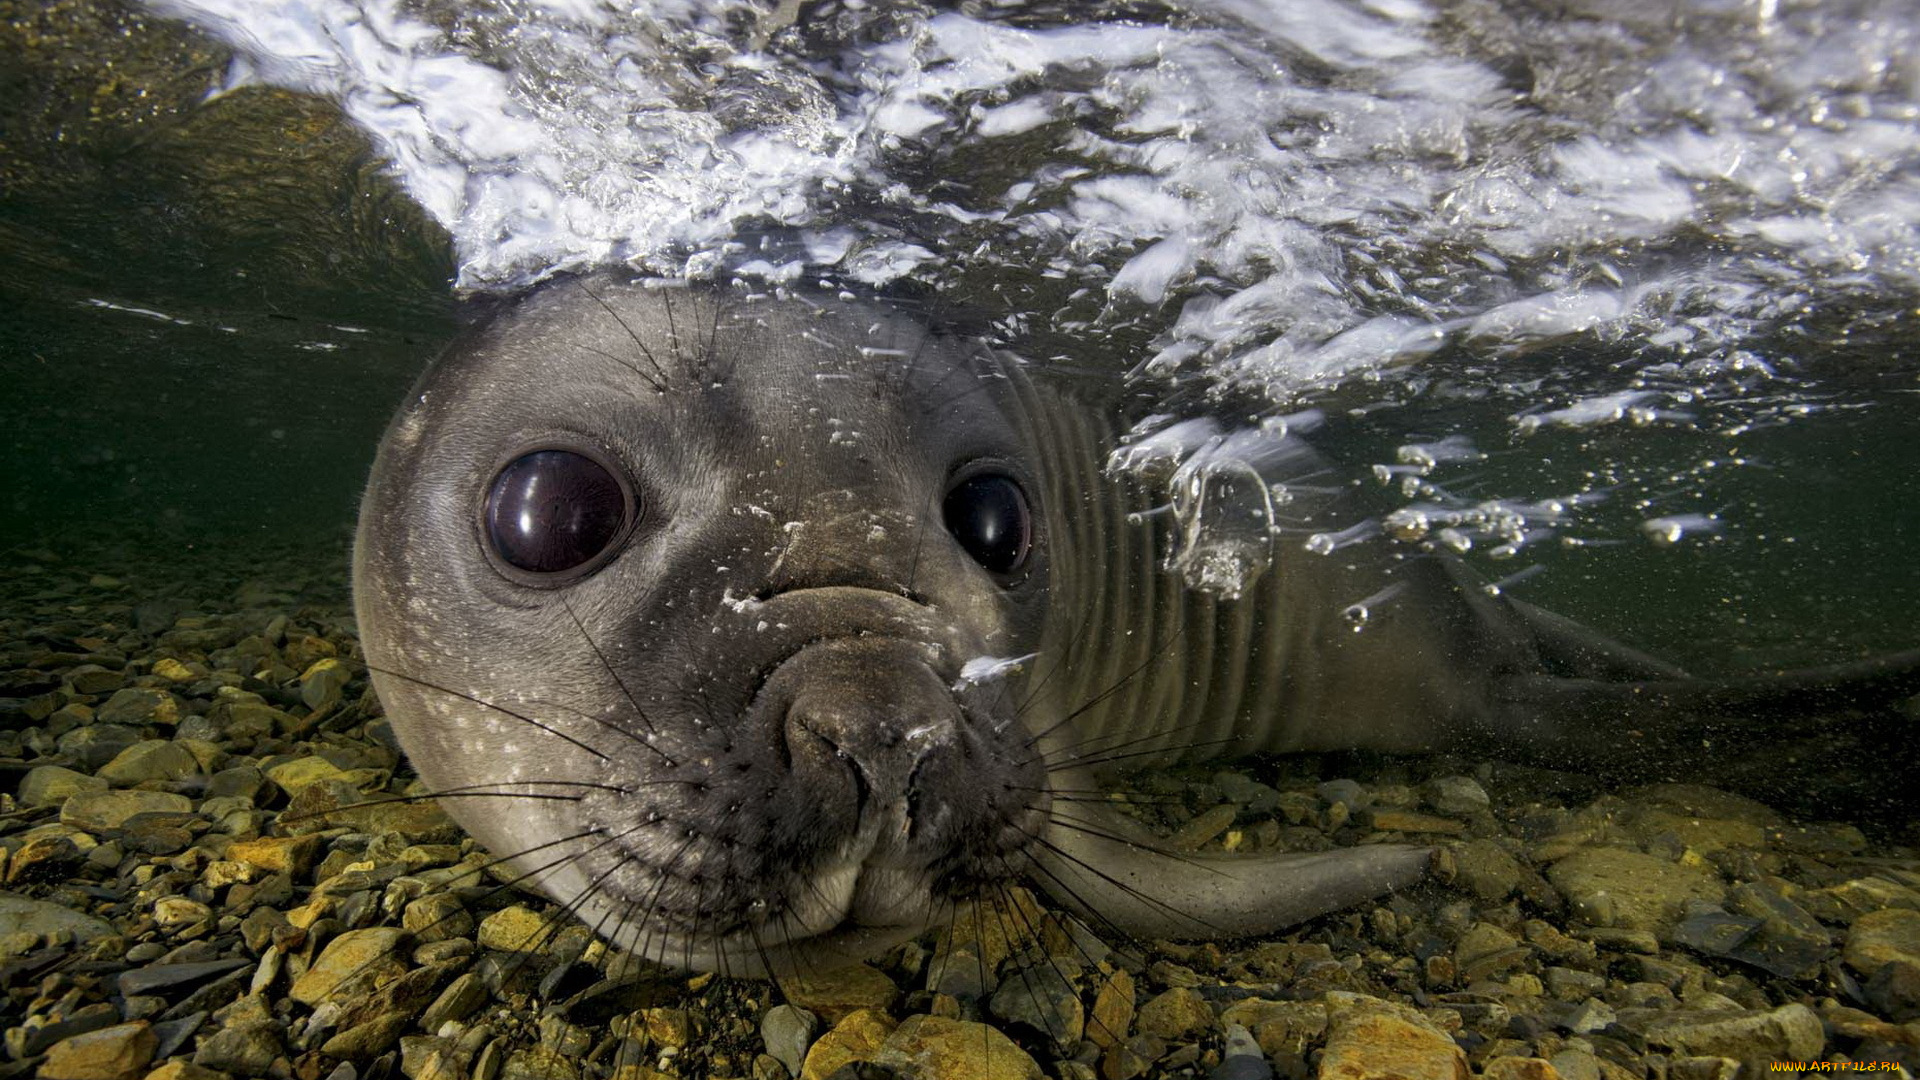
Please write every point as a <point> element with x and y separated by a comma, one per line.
<point>756,628</point>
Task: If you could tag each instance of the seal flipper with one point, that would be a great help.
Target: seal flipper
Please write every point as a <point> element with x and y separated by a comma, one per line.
<point>1575,650</point>
<point>1103,867</point>
<point>1599,722</point>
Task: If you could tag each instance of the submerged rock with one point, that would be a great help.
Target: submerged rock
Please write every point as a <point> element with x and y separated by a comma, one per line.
<point>1625,889</point>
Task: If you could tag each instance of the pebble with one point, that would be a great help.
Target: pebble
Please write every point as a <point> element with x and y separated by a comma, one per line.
<point>150,760</point>
<point>1486,869</point>
<point>277,854</point>
<point>1883,937</point>
<point>356,962</point>
<point>1347,793</point>
<point>514,929</point>
<point>787,1032</point>
<point>182,1069</point>
<point>857,1037</point>
<point>1408,821</point>
<point>1459,796</point>
<point>935,1046</point>
<point>1369,1040</point>
<point>1625,889</point>
<point>1242,1058</point>
<point>158,977</point>
<point>49,785</point>
<point>1519,1068</point>
<point>1175,1014</point>
<point>211,927</point>
<point>366,1041</point>
<point>465,994</point>
<point>1791,1032</point>
<point>244,1049</point>
<point>121,1052</point>
<point>1113,1009</point>
<point>1203,827</point>
<point>137,706</point>
<point>97,811</point>
<point>834,994</point>
<point>38,919</point>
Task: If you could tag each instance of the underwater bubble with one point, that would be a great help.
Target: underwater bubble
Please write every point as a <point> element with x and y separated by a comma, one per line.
<point>1672,529</point>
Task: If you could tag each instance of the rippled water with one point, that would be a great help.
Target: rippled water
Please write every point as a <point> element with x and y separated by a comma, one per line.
<point>1614,297</point>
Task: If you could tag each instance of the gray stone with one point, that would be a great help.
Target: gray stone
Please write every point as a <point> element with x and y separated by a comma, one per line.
<point>1791,1032</point>
<point>93,679</point>
<point>19,915</point>
<point>1590,1016</point>
<point>153,759</point>
<point>173,1034</point>
<point>1458,795</point>
<point>137,706</point>
<point>1769,932</point>
<point>1039,997</point>
<point>1241,790</point>
<point>245,1049</point>
<point>788,1032</point>
<point>1242,1058</point>
<point>1574,1063</point>
<point>49,785</point>
<point>240,781</point>
<point>1570,984</point>
<point>96,744</point>
<point>89,1018</point>
<point>457,1002</point>
<point>147,980</point>
<point>1347,793</point>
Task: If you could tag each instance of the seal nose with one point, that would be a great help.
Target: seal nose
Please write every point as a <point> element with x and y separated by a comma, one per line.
<point>864,720</point>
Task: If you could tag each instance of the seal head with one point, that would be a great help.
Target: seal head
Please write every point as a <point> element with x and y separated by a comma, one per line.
<point>672,596</point>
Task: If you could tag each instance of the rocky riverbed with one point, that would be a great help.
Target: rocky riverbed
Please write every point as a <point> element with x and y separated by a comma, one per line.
<point>207,873</point>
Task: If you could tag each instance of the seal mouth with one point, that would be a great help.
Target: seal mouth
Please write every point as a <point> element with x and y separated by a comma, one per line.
<point>858,786</point>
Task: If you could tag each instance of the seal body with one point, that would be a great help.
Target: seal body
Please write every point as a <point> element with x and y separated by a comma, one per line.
<point>756,629</point>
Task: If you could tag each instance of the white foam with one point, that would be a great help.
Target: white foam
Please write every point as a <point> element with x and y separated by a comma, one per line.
<point>1312,189</point>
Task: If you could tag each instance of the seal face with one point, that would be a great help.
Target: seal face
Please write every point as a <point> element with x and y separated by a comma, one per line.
<point>669,593</point>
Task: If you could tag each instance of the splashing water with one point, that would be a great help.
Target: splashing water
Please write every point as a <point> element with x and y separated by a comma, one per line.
<point>1289,197</point>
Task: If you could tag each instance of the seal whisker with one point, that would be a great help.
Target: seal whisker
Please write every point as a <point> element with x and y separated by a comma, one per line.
<point>483,703</point>
<point>919,544</point>
<point>623,362</point>
<point>1152,658</point>
<point>1058,918</point>
<point>1088,829</point>
<point>470,792</point>
<point>1092,910</point>
<point>1098,798</point>
<point>601,656</point>
<point>1138,894</point>
<point>1103,758</point>
<point>1087,747</point>
<point>559,918</point>
<point>641,345</point>
<point>673,333</point>
<point>713,342</point>
<point>515,882</point>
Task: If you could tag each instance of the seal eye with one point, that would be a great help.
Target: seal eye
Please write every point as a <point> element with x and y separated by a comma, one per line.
<point>553,510</point>
<point>988,514</point>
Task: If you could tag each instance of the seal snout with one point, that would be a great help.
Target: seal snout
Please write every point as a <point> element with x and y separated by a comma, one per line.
<point>872,730</point>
